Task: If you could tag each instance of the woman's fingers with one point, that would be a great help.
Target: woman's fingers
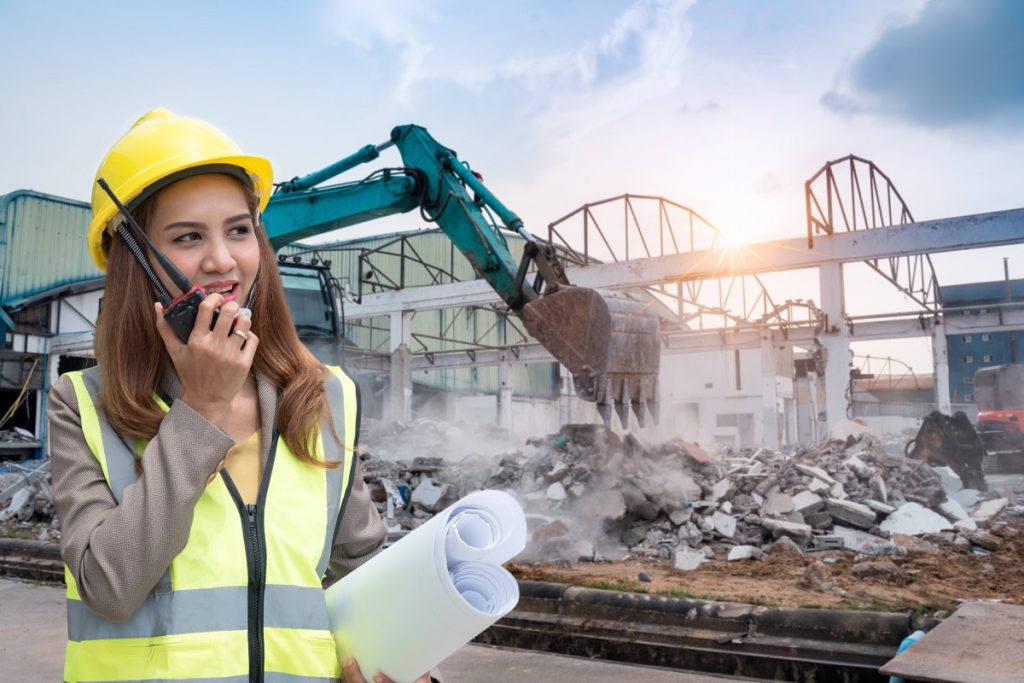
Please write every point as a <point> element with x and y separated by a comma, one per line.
<point>350,672</point>
<point>204,318</point>
<point>171,341</point>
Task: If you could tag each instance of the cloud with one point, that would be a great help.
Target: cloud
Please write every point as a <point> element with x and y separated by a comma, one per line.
<point>392,25</point>
<point>957,62</point>
<point>646,41</point>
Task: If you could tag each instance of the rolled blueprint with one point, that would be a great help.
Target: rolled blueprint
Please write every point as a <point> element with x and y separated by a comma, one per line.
<point>410,607</point>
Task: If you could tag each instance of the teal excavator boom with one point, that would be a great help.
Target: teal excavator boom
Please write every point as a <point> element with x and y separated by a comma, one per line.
<point>610,343</point>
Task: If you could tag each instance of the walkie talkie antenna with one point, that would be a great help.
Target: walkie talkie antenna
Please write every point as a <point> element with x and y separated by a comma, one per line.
<point>180,281</point>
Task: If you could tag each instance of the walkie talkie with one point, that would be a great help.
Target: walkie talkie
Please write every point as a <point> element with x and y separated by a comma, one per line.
<point>180,313</point>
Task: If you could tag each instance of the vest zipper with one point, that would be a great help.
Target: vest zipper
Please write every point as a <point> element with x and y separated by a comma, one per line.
<point>255,595</point>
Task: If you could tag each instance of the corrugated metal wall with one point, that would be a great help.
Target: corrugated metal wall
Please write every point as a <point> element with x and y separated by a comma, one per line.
<point>393,262</point>
<point>42,244</point>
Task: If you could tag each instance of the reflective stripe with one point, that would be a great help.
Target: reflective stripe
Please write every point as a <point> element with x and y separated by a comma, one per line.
<point>117,460</point>
<point>341,394</point>
<point>278,677</point>
<point>188,656</point>
<point>193,611</point>
<point>295,607</point>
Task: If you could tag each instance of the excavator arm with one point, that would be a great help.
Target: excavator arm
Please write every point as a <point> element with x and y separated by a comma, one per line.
<point>609,343</point>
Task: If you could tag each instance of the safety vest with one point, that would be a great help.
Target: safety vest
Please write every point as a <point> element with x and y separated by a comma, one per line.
<point>242,602</point>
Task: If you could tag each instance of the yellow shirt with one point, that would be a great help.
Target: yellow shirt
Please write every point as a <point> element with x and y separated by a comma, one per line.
<point>245,466</point>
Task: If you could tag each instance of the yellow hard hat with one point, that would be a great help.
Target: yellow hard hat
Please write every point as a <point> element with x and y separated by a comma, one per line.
<point>157,149</point>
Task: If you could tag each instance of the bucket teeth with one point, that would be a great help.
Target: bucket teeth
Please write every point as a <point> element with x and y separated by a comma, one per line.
<point>638,410</point>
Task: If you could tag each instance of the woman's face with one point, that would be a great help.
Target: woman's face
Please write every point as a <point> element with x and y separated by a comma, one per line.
<point>202,224</point>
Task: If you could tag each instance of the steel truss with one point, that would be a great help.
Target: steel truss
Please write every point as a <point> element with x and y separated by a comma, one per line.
<point>851,194</point>
<point>631,226</point>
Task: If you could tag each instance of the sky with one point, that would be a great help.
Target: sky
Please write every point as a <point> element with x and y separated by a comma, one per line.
<point>724,106</point>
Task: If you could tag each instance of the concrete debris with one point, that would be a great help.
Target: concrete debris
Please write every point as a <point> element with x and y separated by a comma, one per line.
<point>854,539</point>
<point>744,552</point>
<point>913,519</point>
<point>847,511</point>
<point>688,559</point>
<point>622,499</point>
<point>988,510</point>
<point>986,540</point>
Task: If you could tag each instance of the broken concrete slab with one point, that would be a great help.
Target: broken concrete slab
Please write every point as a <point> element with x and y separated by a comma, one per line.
<point>556,491</point>
<point>987,511</point>
<point>879,507</point>
<point>954,512</point>
<point>855,539</point>
<point>720,489</point>
<point>807,502</point>
<point>817,486</point>
<point>913,519</point>
<point>777,504</point>
<point>688,559</point>
<point>815,472</point>
<point>725,524</point>
<point>744,552</point>
<point>985,540</point>
<point>680,517</point>
<point>852,513</point>
<point>797,532</point>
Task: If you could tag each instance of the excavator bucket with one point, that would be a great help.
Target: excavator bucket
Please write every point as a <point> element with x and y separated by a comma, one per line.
<point>610,343</point>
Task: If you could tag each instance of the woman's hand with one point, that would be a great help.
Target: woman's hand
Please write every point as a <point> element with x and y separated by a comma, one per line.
<point>350,673</point>
<point>214,364</point>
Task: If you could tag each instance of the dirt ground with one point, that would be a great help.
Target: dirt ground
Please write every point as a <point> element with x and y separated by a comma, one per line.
<point>924,580</point>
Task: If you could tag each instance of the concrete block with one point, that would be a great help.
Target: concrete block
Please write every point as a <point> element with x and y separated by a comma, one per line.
<point>817,486</point>
<point>777,504</point>
<point>807,502</point>
<point>800,533</point>
<point>852,513</point>
<point>680,517</point>
<point>744,552</point>
<point>913,519</point>
<point>725,524</point>
<point>838,492</point>
<point>556,491</point>
<point>954,512</point>
<point>688,559</point>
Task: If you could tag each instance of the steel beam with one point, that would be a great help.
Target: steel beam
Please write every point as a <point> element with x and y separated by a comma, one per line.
<point>947,234</point>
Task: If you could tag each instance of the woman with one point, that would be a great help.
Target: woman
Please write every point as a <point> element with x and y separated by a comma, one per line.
<point>204,488</point>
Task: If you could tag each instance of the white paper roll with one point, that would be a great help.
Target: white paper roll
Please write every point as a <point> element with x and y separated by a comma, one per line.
<point>409,608</point>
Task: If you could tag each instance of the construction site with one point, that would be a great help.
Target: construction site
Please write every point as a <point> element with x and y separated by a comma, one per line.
<point>713,482</point>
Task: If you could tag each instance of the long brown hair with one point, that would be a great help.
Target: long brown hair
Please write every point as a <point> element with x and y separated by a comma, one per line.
<point>132,355</point>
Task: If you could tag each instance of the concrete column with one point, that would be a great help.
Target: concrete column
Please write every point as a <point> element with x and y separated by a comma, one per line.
<point>770,436</point>
<point>940,359</point>
<point>505,392</point>
<point>400,395</point>
<point>812,396</point>
<point>836,342</point>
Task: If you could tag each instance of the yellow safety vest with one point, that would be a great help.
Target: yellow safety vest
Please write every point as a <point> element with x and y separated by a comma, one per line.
<point>242,602</point>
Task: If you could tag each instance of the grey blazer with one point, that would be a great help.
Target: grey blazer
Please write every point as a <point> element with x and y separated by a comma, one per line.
<point>117,553</point>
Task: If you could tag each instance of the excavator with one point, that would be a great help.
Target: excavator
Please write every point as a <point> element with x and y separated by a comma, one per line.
<point>610,343</point>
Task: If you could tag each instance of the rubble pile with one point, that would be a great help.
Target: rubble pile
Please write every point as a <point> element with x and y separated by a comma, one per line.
<point>26,505</point>
<point>591,495</point>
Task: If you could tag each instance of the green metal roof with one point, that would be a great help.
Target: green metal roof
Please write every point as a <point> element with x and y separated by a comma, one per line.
<point>461,327</point>
<point>42,245</point>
